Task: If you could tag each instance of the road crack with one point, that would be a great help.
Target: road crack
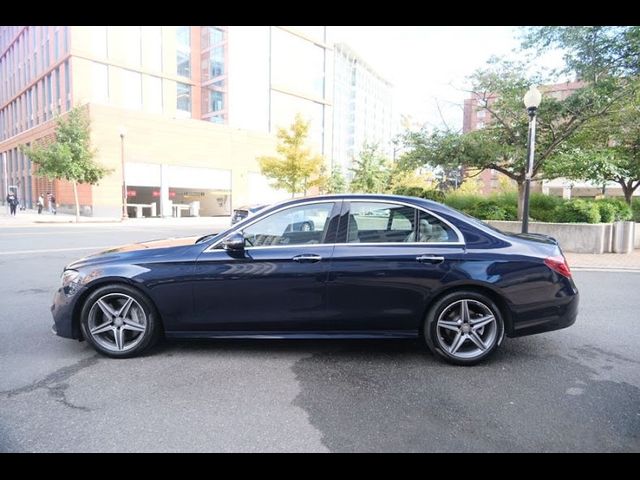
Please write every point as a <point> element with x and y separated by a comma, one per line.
<point>55,383</point>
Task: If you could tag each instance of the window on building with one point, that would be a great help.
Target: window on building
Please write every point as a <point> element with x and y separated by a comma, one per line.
<point>99,37</point>
<point>65,39</point>
<point>99,82</point>
<point>216,101</point>
<point>481,113</point>
<point>29,109</point>
<point>183,51</point>
<point>217,62</point>
<point>67,84</point>
<point>284,108</point>
<point>212,36</point>
<point>47,60</point>
<point>56,44</point>
<point>57,103</point>
<point>48,102</point>
<point>36,104</point>
<point>183,97</point>
<point>153,94</point>
<point>131,38</point>
<point>152,47</point>
<point>131,89</point>
<point>297,64</point>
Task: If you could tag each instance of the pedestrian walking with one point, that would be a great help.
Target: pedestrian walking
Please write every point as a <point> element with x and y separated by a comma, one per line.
<point>49,202</point>
<point>40,204</point>
<point>53,204</point>
<point>12,200</point>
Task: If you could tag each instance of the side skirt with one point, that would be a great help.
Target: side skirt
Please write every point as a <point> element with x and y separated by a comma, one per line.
<point>298,334</point>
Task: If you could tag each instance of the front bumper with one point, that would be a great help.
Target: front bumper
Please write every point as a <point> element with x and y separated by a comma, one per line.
<point>62,310</point>
<point>545,318</point>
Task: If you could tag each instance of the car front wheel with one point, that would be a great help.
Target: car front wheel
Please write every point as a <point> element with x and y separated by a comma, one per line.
<point>119,321</point>
<point>464,327</point>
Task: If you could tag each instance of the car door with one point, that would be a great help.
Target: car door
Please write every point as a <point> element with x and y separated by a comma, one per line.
<point>389,258</point>
<point>278,282</point>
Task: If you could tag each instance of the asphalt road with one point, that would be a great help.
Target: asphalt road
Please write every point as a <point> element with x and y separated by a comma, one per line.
<point>573,390</point>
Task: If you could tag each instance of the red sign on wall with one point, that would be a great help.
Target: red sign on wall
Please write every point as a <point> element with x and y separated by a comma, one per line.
<point>131,193</point>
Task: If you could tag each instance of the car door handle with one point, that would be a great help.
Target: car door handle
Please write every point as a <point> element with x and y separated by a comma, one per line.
<point>429,259</point>
<point>307,258</point>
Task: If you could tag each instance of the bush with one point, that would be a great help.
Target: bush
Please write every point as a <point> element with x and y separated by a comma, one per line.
<point>430,194</point>
<point>635,207</point>
<point>578,211</point>
<point>488,210</point>
<point>607,212</point>
<point>543,207</point>
<point>622,211</point>
<point>462,202</point>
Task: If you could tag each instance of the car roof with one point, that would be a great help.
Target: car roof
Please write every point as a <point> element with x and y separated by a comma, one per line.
<point>364,196</point>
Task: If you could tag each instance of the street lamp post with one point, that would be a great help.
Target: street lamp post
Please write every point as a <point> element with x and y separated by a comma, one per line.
<point>532,100</point>
<point>125,215</point>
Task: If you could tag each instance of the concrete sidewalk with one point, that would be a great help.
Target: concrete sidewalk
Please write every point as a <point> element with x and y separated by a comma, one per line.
<point>28,218</point>
<point>604,261</point>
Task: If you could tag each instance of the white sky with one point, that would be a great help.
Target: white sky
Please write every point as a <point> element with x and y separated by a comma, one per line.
<point>429,63</point>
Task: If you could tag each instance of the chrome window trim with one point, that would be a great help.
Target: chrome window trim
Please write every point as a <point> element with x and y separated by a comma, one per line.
<point>460,242</point>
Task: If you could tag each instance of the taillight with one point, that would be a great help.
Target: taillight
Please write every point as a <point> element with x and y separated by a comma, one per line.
<point>558,264</point>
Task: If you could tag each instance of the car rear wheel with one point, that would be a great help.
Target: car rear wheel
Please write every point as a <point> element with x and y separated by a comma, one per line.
<point>119,321</point>
<point>464,327</point>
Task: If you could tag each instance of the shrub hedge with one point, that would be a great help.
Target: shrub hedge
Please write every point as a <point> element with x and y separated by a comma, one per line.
<point>544,208</point>
<point>635,207</point>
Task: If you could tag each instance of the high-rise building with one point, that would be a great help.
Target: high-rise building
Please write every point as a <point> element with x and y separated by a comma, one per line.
<point>361,108</point>
<point>185,109</point>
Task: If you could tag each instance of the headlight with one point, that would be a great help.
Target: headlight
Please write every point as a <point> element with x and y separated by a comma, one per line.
<point>70,280</point>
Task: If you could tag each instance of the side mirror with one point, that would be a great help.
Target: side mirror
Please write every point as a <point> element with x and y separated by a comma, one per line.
<point>234,242</point>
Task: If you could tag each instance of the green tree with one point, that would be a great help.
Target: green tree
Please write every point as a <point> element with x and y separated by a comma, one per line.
<point>608,57</point>
<point>69,156</point>
<point>593,53</point>
<point>370,170</point>
<point>296,169</point>
<point>336,183</point>
<point>502,144</point>
<point>608,150</point>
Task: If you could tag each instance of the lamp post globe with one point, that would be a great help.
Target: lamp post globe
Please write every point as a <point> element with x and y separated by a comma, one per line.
<point>532,100</point>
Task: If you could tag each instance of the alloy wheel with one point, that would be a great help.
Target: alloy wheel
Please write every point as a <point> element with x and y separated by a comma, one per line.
<point>117,322</point>
<point>466,329</point>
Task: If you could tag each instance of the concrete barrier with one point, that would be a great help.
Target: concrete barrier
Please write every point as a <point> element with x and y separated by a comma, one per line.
<point>623,237</point>
<point>573,237</point>
<point>636,243</point>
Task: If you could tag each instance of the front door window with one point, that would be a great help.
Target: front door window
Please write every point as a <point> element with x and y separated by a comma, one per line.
<point>302,225</point>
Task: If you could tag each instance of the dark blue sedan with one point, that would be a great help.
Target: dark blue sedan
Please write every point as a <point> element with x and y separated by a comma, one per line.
<point>371,266</point>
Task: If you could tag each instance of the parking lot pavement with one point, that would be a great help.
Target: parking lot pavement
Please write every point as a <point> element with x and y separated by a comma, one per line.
<point>576,389</point>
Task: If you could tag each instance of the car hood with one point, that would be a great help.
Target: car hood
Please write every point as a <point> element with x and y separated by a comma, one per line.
<point>135,250</point>
<point>152,244</point>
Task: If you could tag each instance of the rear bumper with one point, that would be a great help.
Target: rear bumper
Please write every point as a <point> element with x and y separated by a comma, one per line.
<point>552,316</point>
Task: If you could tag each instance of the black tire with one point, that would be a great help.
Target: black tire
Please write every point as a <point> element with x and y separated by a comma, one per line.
<point>435,341</point>
<point>153,326</point>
